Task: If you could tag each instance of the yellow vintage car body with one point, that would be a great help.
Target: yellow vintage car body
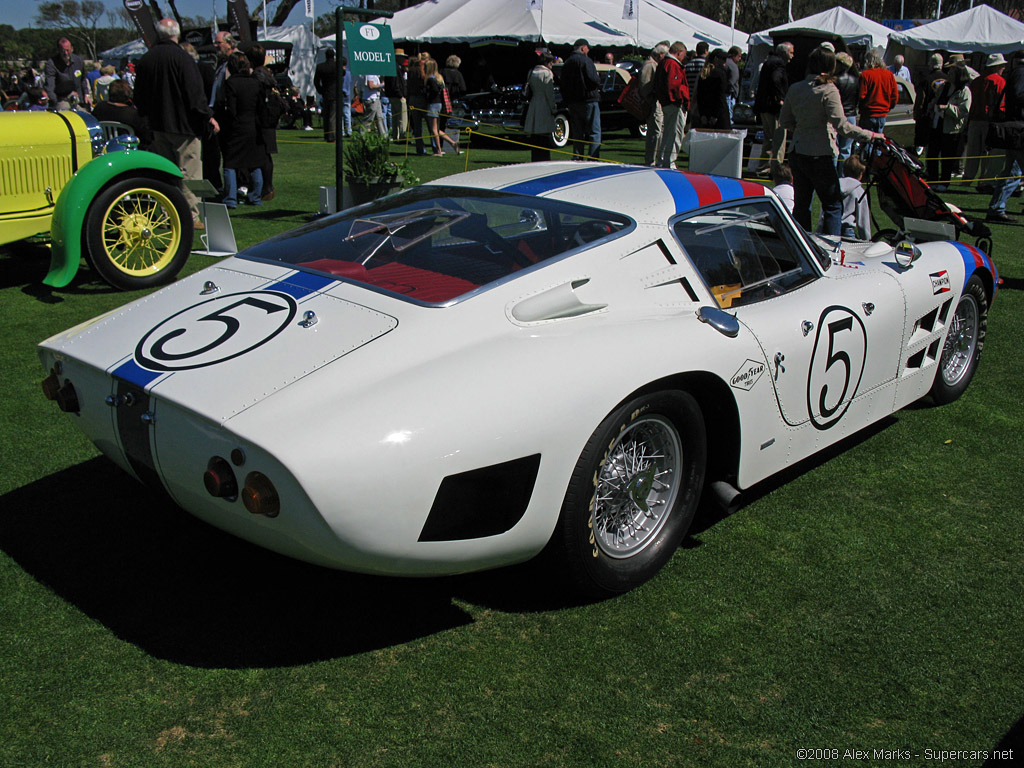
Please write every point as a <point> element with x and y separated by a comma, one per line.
<point>39,154</point>
<point>52,166</point>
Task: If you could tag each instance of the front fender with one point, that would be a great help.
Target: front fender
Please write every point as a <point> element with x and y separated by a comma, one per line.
<point>69,214</point>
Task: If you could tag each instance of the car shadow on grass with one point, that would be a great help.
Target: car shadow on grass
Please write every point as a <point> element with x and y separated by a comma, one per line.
<point>184,591</point>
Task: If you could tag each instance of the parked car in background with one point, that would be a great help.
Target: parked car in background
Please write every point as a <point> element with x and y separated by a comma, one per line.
<point>123,209</point>
<point>503,111</point>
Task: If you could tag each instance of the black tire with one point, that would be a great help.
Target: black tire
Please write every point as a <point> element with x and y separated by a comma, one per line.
<point>138,233</point>
<point>619,523</point>
<point>560,136</point>
<point>961,349</point>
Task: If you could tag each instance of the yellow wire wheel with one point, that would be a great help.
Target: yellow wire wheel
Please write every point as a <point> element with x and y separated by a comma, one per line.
<point>139,233</point>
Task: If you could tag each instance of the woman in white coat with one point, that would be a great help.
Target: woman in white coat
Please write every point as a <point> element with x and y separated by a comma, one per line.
<point>540,113</point>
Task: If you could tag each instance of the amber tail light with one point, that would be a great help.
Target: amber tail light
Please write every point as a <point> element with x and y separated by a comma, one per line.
<point>259,495</point>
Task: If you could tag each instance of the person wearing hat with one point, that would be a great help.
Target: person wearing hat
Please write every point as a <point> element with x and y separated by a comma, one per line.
<point>986,106</point>
<point>581,92</point>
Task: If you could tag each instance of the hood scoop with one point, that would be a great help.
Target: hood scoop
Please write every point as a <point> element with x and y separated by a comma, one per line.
<point>555,303</point>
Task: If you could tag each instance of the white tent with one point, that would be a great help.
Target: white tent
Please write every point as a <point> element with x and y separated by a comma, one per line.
<point>300,69</point>
<point>853,28</point>
<point>981,29</point>
<point>558,22</point>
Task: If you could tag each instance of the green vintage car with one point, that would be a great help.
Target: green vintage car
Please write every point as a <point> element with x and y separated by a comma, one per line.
<point>123,209</point>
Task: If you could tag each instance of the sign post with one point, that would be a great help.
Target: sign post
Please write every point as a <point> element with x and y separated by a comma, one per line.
<point>339,35</point>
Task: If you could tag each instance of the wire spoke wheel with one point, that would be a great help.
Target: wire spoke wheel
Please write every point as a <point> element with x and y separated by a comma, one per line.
<point>141,232</point>
<point>637,485</point>
<point>138,232</point>
<point>961,341</point>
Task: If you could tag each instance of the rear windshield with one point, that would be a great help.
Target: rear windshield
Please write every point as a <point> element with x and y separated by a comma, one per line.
<point>434,244</point>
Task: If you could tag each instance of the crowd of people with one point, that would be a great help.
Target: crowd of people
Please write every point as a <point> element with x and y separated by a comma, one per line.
<point>413,104</point>
<point>219,122</point>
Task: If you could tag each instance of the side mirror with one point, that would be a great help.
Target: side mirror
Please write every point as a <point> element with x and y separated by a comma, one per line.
<point>906,254</point>
<point>721,321</point>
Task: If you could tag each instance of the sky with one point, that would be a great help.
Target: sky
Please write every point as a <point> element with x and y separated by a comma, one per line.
<point>21,14</point>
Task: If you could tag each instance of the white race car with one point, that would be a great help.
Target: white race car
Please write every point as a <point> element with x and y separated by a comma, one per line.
<point>565,354</point>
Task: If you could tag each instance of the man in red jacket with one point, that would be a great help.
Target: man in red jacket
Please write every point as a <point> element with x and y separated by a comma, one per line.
<point>879,93</point>
<point>986,106</point>
<point>673,94</point>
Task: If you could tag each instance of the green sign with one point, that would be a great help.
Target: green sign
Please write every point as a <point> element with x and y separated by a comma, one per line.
<point>371,50</point>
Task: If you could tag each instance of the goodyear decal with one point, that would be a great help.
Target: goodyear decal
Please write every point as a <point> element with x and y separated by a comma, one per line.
<point>973,259</point>
<point>555,181</point>
<point>693,190</point>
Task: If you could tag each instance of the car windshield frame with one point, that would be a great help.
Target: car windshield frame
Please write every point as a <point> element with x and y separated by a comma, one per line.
<point>438,245</point>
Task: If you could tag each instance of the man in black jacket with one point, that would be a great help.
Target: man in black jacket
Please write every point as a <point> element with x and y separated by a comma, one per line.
<point>325,80</point>
<point>772,84</point>
<point>169,94</point>
<point>581,91</point>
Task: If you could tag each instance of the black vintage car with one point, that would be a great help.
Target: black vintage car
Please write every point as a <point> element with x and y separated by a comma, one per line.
<point>502,111</point>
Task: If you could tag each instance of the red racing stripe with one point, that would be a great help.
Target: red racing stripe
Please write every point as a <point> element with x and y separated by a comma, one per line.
<point>705,187</point>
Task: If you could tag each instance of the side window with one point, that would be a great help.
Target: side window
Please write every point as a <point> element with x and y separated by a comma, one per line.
<point>744,253</point>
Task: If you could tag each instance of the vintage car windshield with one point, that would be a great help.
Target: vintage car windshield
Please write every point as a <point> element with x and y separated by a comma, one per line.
<point>434,244</point>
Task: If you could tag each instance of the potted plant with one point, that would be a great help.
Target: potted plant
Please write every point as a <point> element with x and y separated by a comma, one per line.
<point>370,171</point>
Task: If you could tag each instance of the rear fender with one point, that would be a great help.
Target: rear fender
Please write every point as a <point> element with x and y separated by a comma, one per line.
<point>68,222</point>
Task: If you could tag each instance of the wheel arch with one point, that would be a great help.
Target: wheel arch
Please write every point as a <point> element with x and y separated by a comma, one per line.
<point>67,228</point>
<point>721,418</point>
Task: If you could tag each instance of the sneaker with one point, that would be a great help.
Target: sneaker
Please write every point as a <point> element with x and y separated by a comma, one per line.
<point>308,128</point>
<point>268,196</point>
<point>1000,217</point>
<point>198,224</point>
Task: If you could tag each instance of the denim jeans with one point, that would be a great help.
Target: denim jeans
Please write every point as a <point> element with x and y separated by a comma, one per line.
<point>875,124</point>
<point>255,194</point>
<point>346,118</point>
<point>585,128</point>
<point>816,173</point>
<point>845,146</point>
<point>1005,188</point>
<point>385,108</point>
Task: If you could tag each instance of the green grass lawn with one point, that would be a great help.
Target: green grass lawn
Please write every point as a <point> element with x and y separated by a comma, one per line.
<point>871,599</point>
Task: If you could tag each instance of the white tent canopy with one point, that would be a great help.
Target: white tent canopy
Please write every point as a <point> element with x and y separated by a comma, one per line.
<point>560,22</point>
<point>853,28</point>
<point>981,29</point>
<point>300,69</point>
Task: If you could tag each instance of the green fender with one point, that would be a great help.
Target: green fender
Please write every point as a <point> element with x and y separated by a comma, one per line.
<point>69,213</point>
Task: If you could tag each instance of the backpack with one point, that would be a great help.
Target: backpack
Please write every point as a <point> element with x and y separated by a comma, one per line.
<point>271,106</point>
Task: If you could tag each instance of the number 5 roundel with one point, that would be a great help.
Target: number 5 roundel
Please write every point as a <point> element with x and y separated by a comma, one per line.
<point>216,330</point>
<point>837,365</point>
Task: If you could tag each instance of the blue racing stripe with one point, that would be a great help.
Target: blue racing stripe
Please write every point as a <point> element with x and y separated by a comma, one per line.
<point>682,191</point>
<point>731,188</point>
<point>566,179</point>
<point>134,373</point>
<point>301,284</point>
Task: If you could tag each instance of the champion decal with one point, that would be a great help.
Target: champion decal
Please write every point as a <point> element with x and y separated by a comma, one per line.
<point>940,282</point>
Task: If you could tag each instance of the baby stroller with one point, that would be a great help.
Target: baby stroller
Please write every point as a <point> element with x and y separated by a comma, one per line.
<point>916,210</point>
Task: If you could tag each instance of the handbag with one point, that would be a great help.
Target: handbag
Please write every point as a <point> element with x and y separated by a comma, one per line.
<point>633,102</point>
<point>357,105</point>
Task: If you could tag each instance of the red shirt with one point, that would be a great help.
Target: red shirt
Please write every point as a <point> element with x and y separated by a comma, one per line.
<point>878,92</point>
<point>987,97</point>
<point>670,83</point>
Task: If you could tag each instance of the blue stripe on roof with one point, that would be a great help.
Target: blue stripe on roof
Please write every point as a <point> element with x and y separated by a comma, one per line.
<point>566,179</point>
<point>730,188</point>
<point>682,191</point>
<point>300,284</point>
<point>134,373</point>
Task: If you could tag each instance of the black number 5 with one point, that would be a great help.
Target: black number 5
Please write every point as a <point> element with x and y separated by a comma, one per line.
<point>231,326</point>
<point>837,370</point>
<point>846,324</point>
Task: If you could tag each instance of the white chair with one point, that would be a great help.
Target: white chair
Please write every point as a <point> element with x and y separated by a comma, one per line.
<point>112,129</point>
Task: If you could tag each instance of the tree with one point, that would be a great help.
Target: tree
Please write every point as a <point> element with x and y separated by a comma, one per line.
<point>79,19</point>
